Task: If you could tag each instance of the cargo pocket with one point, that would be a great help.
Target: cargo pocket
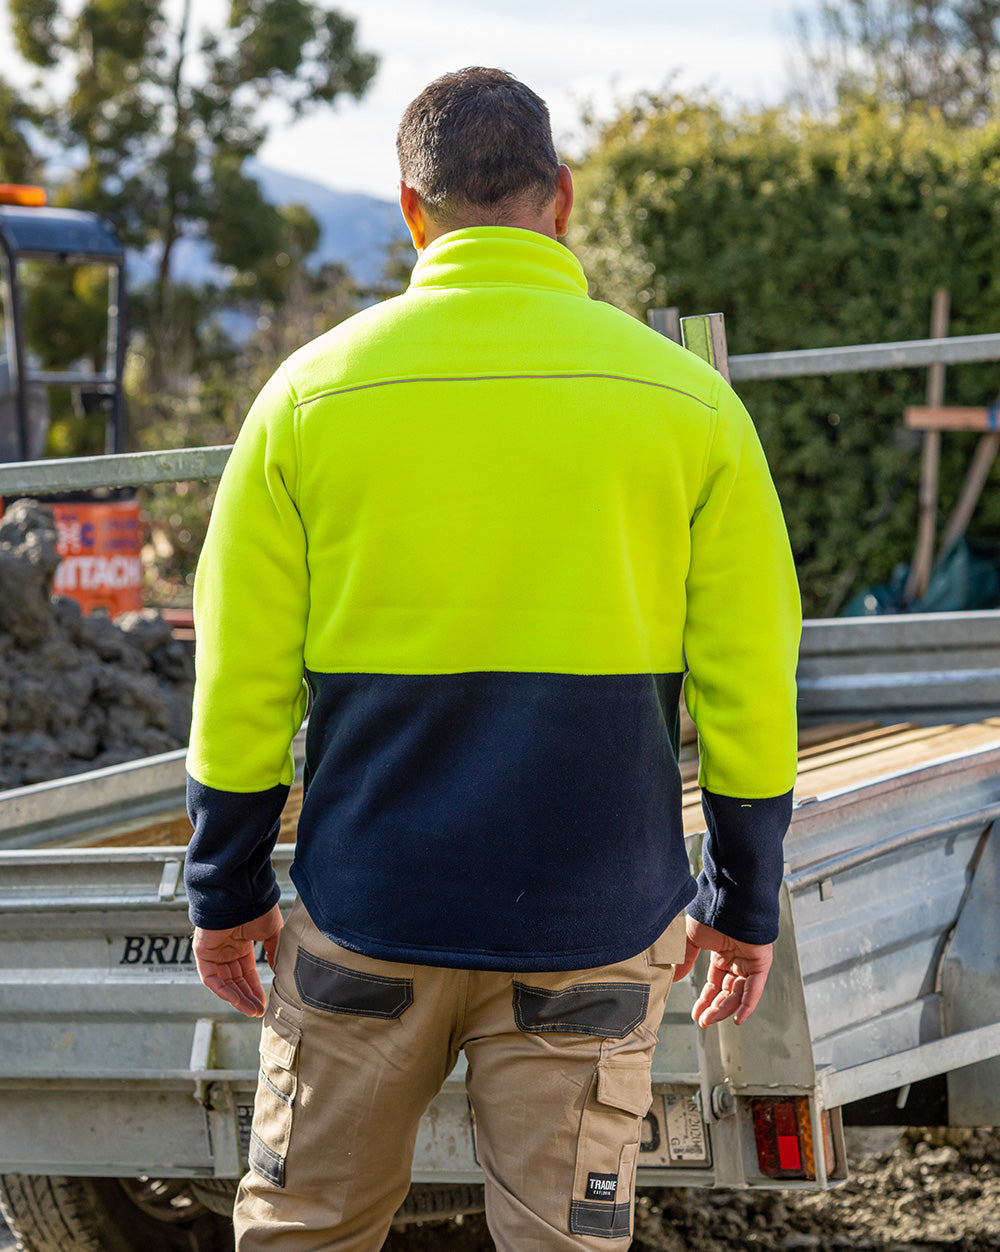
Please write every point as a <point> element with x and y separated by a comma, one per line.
<point>608,1150</point>
<point>277,1087</point>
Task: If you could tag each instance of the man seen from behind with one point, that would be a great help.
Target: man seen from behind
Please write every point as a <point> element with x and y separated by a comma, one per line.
<point>492,521</point>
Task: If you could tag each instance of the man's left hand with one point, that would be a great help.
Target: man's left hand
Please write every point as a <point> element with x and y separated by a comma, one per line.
<point>226,962</point>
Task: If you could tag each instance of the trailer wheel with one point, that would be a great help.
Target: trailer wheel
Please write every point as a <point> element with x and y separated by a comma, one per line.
<point>217,1194</point>
<point>425,1202</point>
<point>53,1214</point>
<point>439,1202</point>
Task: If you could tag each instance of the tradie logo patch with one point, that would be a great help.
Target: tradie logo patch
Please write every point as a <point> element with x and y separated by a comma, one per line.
<point>602,1186</point>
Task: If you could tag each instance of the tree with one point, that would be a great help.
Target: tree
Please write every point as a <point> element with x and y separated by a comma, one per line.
<point>944,54</point>
<point>18,163</point>
<point>162,113</point>
<point>810,232</point>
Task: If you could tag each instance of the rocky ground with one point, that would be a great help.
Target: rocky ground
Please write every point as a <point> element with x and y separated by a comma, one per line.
<point>77,693</point>
<point>915,1191</point>
<point>919,1191</point>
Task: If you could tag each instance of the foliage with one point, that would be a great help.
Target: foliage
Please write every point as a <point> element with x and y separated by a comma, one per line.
<point>162,113</point>
<point>18,163</point>
<point>944,54</point>
<point>810,233</point>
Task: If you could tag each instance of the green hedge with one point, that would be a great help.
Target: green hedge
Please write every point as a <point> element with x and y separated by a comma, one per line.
<point>810,233</point>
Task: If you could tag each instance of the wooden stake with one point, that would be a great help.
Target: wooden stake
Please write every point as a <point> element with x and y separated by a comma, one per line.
<point>920,568</point>
<point>972,489</point>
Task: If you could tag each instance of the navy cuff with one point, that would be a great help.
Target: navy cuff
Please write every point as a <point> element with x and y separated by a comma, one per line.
<point>227,872</point>
<point>742,865</point>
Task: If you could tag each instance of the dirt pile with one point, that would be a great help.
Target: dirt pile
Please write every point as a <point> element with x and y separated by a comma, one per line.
<point>76,692</point>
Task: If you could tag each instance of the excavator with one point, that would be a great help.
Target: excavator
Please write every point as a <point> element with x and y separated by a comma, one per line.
<point>99,538</point>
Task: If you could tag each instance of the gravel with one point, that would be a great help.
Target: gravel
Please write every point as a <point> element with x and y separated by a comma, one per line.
<point>911,1191</point>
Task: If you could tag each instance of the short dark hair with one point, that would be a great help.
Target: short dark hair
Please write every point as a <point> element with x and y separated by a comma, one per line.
<point>477,141</point>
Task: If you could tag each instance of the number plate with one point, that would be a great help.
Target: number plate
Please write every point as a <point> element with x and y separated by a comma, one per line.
<point>686,1134</point>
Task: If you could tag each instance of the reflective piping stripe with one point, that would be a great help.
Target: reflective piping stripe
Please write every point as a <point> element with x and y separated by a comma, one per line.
<point>501,378</point>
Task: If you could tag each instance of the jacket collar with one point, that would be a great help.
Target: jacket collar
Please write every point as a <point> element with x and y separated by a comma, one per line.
<point>499,256</point>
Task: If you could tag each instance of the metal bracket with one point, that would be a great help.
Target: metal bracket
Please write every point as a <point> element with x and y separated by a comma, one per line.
<point>202,1050</point>
<point>216,1098</point>
<point>723,1101</point>
<point>223,1130</point>
<point>666,322</point>
<point>170,878</point>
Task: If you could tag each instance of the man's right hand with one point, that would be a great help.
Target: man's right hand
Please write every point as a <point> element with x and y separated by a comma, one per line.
<point>736,975</point>
<point>226,963</point>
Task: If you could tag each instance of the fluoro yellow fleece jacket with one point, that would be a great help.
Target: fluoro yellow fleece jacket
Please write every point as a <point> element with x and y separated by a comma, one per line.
<point>494,523</point>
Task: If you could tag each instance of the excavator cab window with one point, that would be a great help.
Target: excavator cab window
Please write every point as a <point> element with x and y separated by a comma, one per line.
<point>58,267</point>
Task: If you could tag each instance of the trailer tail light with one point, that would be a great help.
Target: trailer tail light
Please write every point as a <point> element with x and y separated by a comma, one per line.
<point>26,197</point>
<point>783,1132</point>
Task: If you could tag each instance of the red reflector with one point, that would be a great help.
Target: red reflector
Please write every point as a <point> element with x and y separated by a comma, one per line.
<point>788,1152</point>
<point>786,1129</point>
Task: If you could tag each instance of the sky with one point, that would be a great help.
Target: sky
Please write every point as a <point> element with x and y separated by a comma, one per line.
<point>588,52</point>
<point>572,54</point>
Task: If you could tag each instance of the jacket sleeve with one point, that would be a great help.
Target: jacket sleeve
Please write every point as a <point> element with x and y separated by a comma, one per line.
<point>741,647</point>
<point>251,605</point>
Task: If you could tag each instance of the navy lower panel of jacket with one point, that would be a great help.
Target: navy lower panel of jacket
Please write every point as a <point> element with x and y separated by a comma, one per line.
<point>493,820</point>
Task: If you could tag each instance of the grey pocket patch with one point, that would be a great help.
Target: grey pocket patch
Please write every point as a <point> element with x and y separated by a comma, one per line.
<point>265,1161</point>
<point>605,1221</point>
<point>609,1009</point>
<point>336,989</point>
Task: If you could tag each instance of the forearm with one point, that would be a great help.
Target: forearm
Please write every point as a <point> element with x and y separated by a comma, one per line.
<point>741,645</point>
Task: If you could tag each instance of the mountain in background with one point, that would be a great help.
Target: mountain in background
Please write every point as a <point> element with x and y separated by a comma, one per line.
<point>356,231</point>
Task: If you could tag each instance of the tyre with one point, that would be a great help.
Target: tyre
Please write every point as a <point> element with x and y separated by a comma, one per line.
<point>53,1214</point>
<point>438,1202</point>
<point>217,1194</point>
<point>425,1202</point>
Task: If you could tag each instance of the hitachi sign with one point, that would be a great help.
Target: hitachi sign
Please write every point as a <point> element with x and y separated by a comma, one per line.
<point>94,573</point>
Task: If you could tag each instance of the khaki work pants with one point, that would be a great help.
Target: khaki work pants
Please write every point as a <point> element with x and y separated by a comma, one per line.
<point>354,1049</point>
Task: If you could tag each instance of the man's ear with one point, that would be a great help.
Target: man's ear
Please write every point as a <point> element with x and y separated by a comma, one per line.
<point>413,215</point>
<point>564,200</point>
